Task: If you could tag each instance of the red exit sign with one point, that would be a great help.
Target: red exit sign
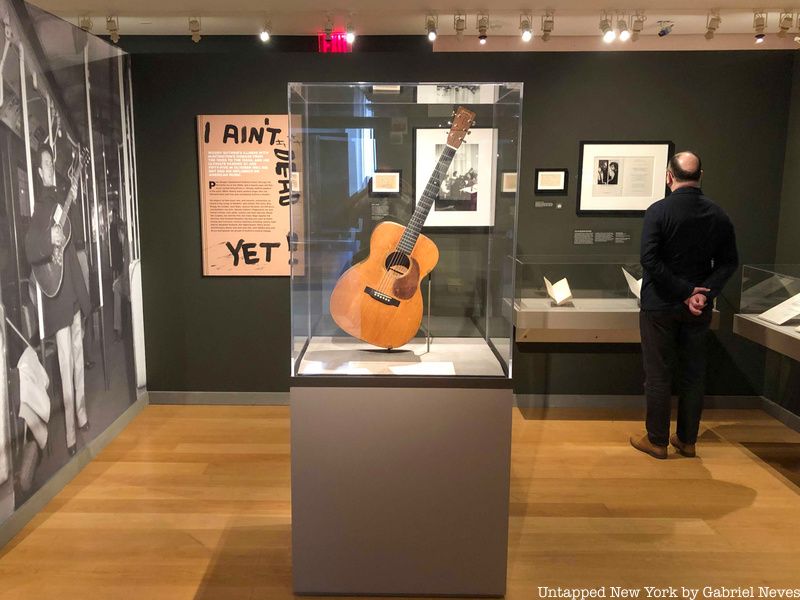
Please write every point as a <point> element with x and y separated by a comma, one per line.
<point>336,43</point>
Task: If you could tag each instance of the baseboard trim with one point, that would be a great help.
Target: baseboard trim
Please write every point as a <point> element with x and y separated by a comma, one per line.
<point>784,415</point>
<point>221,398</point>
<point>623,402</point>
<point>16,522</point>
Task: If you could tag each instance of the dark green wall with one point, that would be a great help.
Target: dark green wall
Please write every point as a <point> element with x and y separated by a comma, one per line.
<point>233,333</point>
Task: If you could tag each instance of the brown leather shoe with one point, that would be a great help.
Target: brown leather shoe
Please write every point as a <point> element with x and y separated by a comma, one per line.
<point>686,450</point>
<point>645,445</point>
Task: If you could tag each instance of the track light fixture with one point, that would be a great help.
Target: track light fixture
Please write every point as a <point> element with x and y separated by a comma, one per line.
<point>548,24</point>
<point>350,33</point>
<point>112,26</point>
<point>609,35</point>
<point>266,32</point>
<point>760,26</point>
<point>665,28</point>
<point>194,29</point>
<point>785,22</point>
<point>483,28</point>
<point>637,26</point>
<point>431,26</point>
<point>713,22</point>
<point>86,23</point>
<point>526,33</point>
<point>460,24</point>
<point>622,28</point>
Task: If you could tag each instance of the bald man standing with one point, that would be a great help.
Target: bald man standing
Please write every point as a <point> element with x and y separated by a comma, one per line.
<point>688,254</point>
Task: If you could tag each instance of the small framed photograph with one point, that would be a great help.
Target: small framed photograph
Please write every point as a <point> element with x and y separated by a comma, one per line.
<point>551,182</point>
<point>508,182</point>
<point>385,183</point>
<point>621,178</point>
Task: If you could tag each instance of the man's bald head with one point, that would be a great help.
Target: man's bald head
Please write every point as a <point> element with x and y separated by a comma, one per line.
<point>686,167</point>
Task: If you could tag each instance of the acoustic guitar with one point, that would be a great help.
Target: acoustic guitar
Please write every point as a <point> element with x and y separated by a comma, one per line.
<point>50,274</point>
<point>378,300</point>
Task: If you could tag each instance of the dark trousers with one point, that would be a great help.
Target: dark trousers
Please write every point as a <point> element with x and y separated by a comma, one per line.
<point>674,348</point>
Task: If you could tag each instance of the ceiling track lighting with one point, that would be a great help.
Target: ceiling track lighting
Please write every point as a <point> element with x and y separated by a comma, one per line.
<point>623,32</point>
<point>328,30</point>
<point>431,27</point>
<point>548,24</point>
<point>525,30</point>
<point>350,33</point>
<point>759,26</point>
<point>194,29</point>
<point>86,23</point>
<point>265,34</point>
<point>112,26</point>
<point>482,23</point>
<point>609,35</point>
<point>665,28</point>
<point>637,25</point>
<point>460,24</point>
<point>713,22</point>
<point>785,22</point>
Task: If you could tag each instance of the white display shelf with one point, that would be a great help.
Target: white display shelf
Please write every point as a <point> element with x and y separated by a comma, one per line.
<point>583,320</point>
<point>784,339</point>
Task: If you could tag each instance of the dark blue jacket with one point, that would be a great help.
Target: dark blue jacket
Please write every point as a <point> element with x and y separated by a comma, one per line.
<point>687,242</point>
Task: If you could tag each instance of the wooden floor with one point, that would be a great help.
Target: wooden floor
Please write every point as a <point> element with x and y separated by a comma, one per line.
<point>192,502</point>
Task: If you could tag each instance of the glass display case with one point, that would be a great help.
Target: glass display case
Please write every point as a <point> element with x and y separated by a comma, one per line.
<point>577,298</point>
<point>403,212</point>
<point>769,307</point>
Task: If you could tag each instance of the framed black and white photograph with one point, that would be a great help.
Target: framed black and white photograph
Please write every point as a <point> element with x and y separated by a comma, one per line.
<point>551,182</point>
<point>621,178</point>
<point>508,182</point>
<point>385,183</point>
<point>467,193</point>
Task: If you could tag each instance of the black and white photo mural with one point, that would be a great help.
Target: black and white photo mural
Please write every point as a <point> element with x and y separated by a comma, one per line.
<point>71,330</point>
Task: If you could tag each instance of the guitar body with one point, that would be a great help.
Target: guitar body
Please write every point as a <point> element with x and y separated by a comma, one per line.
<point>50,275</point>
<point>378,300</point>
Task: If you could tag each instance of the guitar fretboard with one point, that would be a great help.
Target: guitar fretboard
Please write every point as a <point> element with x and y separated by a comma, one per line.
<point>414,227</point>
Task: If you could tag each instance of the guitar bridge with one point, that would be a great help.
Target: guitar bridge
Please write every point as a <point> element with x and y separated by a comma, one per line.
<point>381,297</point>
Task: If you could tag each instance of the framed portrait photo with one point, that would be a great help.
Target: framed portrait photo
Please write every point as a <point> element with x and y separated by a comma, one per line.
<point>621,178</point>
<point>385,183</point>
<point>466,195</point>
<point>508,182</point>
<point>551,182</point>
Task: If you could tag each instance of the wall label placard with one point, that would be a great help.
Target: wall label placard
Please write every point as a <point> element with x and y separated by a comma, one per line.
<point>245,193</point>
<point>589,237</point>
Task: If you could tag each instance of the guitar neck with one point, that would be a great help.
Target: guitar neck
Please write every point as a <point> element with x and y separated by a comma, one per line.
<point>414,227</point>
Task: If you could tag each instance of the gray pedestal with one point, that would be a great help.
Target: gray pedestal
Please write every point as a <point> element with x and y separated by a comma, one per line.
<point>400,490</point>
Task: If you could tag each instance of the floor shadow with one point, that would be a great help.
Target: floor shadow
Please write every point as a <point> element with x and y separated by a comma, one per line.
<point>783,457</point>
<point>249,561</point>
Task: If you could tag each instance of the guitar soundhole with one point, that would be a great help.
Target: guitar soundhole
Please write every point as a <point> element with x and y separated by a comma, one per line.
<point>397,263</point>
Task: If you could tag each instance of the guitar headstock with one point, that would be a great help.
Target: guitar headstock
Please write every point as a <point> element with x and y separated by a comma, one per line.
<point>463,119</point>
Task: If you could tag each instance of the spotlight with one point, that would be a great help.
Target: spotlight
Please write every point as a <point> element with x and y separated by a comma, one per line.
<point>785,22</point>
<point>609,35</point>
<point>638,26</point>
<point>797,39</point>
<point>665,28</point>
<point>548,24</point>
<point>431,23</point>
<point>460,24</point>
<point>112,26</point>
<point>713,22</point>
<point>526,33</point>
<point>350,35</point>
<point>624,32</point>
<point>194,29</point>
<point>86,23</point>
<point>759,25</point>
<point>483,28</point>
<point>266,32</point>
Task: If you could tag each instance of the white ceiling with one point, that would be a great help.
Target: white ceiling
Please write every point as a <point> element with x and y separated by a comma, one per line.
<point>304,17</point>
